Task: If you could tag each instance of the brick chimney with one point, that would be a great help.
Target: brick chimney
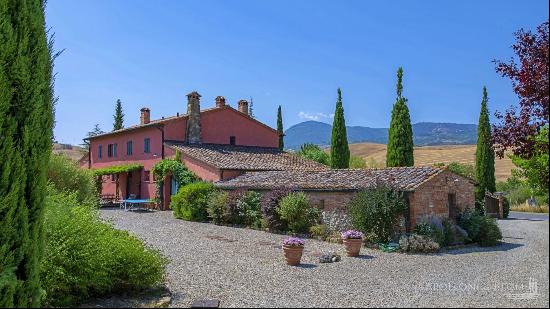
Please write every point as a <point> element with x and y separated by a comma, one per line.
<point>193,133</point>
<point>145,116</point>
<point>220,101</point>
<point>243,106</point>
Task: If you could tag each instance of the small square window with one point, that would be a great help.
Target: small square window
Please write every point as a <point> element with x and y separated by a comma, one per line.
<point>232,140</point>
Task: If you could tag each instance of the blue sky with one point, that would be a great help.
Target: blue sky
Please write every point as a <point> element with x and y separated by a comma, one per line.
<point>292,53</point>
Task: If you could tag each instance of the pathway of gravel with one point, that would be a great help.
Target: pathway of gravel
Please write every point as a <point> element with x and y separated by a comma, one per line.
<point>245,268</point>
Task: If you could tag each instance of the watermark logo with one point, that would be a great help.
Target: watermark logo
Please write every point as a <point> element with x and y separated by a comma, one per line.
<point>531,295</point>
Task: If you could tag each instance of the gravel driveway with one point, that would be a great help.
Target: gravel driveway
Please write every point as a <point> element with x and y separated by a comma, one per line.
<point>245,268</point>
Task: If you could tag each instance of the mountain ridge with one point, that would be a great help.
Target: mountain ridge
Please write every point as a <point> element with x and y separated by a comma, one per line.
<point>424,134</point>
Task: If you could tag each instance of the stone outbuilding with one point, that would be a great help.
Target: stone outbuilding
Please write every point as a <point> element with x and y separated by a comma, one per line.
<point>429,191</point>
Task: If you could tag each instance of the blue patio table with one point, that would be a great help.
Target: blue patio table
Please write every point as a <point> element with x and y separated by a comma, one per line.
<point>129,204</point>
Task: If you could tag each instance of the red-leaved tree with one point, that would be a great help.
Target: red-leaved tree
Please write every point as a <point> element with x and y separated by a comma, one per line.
<point>529,75</point>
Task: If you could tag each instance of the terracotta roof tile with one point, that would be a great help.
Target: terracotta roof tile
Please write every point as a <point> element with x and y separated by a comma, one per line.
<point>400,178</point>
<point>248,158</point>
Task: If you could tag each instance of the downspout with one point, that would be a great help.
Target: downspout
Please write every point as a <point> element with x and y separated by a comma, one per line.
<point>161,128</point>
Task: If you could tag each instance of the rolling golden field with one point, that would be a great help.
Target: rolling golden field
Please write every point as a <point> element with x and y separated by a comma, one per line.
<point>375,155</point>
<point>73,152</point>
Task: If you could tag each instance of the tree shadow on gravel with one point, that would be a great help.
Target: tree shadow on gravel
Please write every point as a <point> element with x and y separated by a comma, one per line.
<point>502,246</point>
<point>364,257</point>
<point>525,219</point>
<point>306,266</point>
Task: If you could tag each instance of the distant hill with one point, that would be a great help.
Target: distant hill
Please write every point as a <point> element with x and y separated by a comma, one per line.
<point>72,151</point>
<point>375,155</point>
<point>425,134</point>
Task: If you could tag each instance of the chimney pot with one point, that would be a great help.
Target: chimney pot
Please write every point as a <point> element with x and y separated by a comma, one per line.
<point>220,101</point>
<point>145,115</point>
<point>243,107</point>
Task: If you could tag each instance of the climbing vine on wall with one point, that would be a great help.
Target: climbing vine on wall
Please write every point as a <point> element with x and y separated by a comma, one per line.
<point>171,166</point>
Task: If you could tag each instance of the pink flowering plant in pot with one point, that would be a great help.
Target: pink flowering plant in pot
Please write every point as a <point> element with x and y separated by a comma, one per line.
<point>293,248</point>
<point>353,240</point>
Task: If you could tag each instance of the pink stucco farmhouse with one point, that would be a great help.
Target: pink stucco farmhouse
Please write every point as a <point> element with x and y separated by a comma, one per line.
<point>233,150</point>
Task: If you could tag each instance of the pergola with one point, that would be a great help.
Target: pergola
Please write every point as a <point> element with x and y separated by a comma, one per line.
<point>115,170</point>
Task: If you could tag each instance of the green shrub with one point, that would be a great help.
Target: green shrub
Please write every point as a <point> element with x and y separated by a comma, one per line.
<point>176,168</point>
<point>297,212</point>
<point>249,206</point>
<point>270,205</point>
<point>442,233</point>
<point>448,234</point>
<point>315,153</point>
<point>65,175</point>
<point>430,231</point>
<point>216,207</point>
<point>243,208</point>
<point>481,229</point>
<point>463,169</point>
<point>377,211</point>
<point>415,243</point>
<point>84,256</point>
<point>518,191</point>
<point>319,231</point>
<point>357,162</point>
<point>505,208</point>
<point>190,203</point>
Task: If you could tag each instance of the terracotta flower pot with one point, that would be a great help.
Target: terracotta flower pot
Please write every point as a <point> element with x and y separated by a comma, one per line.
<point>353,246</point>
<point>293,255</point>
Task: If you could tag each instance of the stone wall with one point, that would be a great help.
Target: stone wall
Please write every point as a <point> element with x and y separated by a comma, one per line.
<point>432,197</point>
<point>429,199</point>
<point>330,200</point>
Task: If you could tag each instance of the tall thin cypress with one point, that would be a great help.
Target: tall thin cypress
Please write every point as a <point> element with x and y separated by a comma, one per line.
<point>485,154</point>
<point>118,116</point>
<point>26,133</point>
<point>280,128</point>
<point>400,137</point>
<point>339,150</point>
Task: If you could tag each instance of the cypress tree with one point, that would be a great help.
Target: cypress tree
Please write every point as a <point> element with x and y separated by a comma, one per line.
<point>339,150</point>
<point>485,155</point>
<point>280,128</point>
<point>400,137</point>
<point>26,134</point>
<point>119,116</point>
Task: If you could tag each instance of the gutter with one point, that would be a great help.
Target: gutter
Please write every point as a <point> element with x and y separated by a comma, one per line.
<point>296,188</point>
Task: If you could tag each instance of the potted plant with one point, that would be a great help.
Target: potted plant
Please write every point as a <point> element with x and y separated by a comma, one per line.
<point>352,240</point>
<point>293,248</point>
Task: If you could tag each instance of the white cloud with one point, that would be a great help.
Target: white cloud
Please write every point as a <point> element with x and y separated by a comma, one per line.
<point>315,116</point>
